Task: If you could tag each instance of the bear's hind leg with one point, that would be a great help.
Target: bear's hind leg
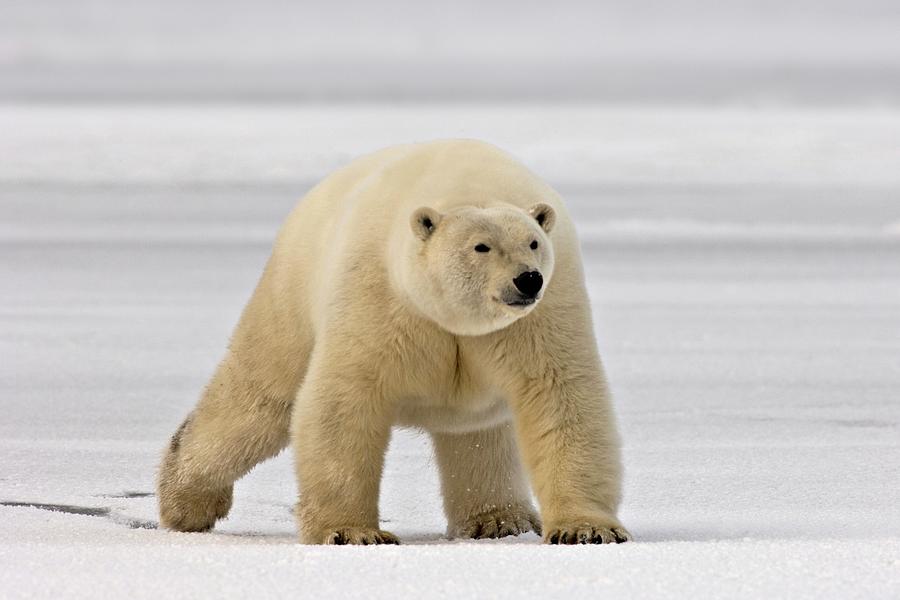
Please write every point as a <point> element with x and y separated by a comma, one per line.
<point>486,494</point>
<point>236,425</point>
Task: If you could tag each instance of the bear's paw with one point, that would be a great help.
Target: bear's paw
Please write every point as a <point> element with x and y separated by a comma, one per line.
<point>501,522</point>
<point>192,510</point>
<point>585,532</point>
<point>362,536</point>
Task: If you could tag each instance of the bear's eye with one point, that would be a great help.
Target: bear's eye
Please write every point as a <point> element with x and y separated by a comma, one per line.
<point>534,245</point>
<point>482,248</point>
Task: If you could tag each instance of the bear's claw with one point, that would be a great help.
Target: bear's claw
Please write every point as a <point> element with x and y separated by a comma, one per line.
<point>500,523</point>
<point>587,534</point>
<point>362,536</point>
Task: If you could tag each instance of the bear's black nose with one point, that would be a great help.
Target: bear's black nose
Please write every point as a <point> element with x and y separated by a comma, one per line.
<point>529,283</point>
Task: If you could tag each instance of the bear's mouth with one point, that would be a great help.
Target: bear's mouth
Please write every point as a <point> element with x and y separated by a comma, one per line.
<point>522,302</point>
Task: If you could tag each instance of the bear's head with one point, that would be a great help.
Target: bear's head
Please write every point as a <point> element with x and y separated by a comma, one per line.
<point>476,270</point>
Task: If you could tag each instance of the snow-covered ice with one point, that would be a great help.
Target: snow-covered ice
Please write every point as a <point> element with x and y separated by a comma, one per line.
<point>744,268</point>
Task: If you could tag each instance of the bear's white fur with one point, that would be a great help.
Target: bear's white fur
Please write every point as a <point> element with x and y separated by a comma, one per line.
<point>374,310</point>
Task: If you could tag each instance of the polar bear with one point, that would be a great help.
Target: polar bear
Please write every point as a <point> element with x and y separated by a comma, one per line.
<point>436,286</point>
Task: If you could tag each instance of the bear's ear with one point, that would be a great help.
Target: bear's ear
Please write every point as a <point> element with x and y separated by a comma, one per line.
<point>544,215</point>
<point>424,221</point>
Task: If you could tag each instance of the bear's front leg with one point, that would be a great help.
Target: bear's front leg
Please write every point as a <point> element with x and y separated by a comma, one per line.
<point>341,427</point>
<point>565,426</point>
<point>572,451</point>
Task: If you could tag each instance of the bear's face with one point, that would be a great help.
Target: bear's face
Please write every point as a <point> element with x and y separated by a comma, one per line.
<point>477,270</point>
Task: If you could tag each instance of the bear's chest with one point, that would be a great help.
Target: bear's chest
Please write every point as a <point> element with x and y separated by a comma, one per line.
<point>437,418</point>
<point>450,390</point>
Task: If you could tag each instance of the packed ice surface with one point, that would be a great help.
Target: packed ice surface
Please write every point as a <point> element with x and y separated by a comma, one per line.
<point>744,268</point>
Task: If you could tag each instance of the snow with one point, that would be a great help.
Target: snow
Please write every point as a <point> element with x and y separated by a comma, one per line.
<point>744,267</point>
